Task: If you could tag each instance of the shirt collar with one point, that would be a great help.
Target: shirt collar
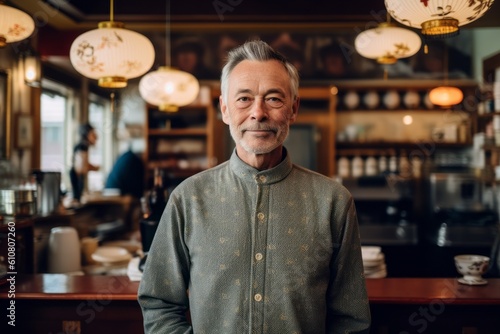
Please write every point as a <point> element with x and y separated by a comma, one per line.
<point>268,176</point>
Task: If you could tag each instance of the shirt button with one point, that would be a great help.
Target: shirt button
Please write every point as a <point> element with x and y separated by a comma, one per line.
<point>257,297</point>
<point>261,216</point>
<point>262,178</point>
<point>258,256</point>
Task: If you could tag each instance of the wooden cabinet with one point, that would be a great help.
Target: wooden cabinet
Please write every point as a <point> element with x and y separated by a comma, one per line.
<point>185,142</point>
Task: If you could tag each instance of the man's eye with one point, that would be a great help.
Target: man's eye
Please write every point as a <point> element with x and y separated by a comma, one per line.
<point>274,102</point>
<point>243,101</point>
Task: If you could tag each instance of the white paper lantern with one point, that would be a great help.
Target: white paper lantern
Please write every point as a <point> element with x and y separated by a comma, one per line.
<point>387,43</point>
<point>437,18</point>
<point>112,54</point>
<point>15,25</point>
<point>169,88</point>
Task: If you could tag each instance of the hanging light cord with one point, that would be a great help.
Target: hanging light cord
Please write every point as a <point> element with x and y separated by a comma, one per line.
<point>445,64</point>
<point>167,35</point>
<point>111,10</point>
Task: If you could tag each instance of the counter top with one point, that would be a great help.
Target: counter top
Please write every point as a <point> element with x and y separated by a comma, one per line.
<point>428,290</point>
<point>380,291</point>
<point>47,303</point>
<point>66,287</point>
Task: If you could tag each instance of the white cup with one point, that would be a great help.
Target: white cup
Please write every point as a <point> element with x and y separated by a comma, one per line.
<point>64,250</point>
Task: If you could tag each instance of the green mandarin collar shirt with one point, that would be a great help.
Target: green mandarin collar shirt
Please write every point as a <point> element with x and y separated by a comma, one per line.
<point>249,251</point>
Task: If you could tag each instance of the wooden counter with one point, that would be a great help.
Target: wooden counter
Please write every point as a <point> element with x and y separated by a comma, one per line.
<point>55,303</point>
<point>108,304</point>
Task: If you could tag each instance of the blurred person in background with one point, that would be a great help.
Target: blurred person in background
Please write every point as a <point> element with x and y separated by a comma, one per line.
<point>80,163</point>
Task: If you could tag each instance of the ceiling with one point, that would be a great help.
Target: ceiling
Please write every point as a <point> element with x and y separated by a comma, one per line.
<point>59,22</point>
<point>151,15</point>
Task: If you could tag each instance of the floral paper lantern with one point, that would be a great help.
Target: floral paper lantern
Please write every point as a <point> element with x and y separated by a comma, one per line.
<point>437,18</point>
<point>387,43</point>
<point>15,25</point>
<point>112,54</point>
<point>169,88</point>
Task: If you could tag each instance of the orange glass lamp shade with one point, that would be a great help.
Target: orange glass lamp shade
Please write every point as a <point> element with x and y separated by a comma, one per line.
<point>15,25</point>
<point>387,43</point>
<point>112,54</point>
<point>437,18</point>
<point>168,88</point>
<point>446,96</point>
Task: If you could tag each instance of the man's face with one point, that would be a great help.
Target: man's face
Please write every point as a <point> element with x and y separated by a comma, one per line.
<point>259,107</point>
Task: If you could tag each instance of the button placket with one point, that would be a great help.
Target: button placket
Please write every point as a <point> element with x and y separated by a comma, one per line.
<point>260,247</point>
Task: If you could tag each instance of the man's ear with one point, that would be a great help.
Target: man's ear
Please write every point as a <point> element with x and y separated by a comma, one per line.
<point>223,110</point>
<point>295,109</point>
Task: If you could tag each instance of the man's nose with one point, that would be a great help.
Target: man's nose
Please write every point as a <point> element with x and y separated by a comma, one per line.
<point>259,110</point>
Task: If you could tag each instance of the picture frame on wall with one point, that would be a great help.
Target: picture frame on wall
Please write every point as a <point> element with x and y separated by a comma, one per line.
<point>5,114</point>
<point>24,131</point>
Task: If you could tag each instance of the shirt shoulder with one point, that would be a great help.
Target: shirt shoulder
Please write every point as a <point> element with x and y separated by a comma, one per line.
<point>320,181</point>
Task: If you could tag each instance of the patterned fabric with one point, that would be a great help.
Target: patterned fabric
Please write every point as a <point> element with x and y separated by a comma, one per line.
<point>274,251</point>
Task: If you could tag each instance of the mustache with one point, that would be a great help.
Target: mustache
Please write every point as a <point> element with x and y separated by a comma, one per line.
<point>259,127</point>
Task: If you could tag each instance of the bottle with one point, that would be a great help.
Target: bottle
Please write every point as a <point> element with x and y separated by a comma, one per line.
<point>158,196</point>
<point>393,163</point>
<point>416,167</point>
<point>343,167</point>
<point>371,167</point>
<point>404,166</point>
<point>382,164</point>
<point>357,166</point>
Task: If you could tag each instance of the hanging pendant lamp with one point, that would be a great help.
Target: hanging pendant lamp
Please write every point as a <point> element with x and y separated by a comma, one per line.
<point>169,88</point>
<point>15,25</point>
<point>446,96</point>
<point>387,43</point>
<point>112,54</point>
<point>437,18</point>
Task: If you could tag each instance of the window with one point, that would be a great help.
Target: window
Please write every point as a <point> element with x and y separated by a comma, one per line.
<point>59,134</point>
<point>54,143</point>
<point>100,154</point>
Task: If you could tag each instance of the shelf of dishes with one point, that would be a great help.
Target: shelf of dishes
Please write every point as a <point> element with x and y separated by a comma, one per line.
<point>410,95</point>
<point>437,127</point>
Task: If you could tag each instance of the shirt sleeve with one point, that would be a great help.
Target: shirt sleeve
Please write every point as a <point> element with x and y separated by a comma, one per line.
<point>163,289</point>
<point>347,304</point>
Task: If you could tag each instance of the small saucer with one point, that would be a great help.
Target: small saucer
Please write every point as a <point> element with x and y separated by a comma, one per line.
<point>479,281</point>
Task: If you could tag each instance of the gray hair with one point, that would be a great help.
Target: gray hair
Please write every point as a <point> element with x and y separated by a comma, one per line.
<point>259,51</point>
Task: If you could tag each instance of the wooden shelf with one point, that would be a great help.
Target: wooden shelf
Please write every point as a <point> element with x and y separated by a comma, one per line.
<point>398,144</point>
<point>178,132</point>
<point>167,135</point>
<point>398,110</point>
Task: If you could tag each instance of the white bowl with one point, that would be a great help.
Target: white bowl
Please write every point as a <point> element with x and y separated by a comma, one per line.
<point>351,99</point>
<point>472,267</point>
<point>391,99</point>
<point>411,99</point>
<point>109,254</point>
<point>427,102</point>
<point>371,99</point>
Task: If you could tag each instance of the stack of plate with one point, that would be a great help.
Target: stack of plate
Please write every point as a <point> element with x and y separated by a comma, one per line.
<point>109,255</point>
<point>373,262</point>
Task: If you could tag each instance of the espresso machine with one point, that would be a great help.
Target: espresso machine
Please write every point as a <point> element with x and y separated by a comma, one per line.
<point>385,206</point>
<point>460,215</point>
